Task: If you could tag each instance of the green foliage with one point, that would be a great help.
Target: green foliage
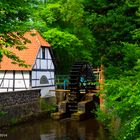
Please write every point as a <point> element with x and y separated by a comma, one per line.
<point>44,106</point>
<point>2,114</point>
<point>111,23</point>
<point>108,31</point>
<point>103,117</point>
<point>62,23</point>
<point>60,39</point>
<point>100,31</point>
<point>14,121</point>
<point>67,47</point>
<point>13,23</point>
<point>122,101</point>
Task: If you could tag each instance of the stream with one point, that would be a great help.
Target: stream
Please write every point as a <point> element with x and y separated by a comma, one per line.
<point>48,129</point>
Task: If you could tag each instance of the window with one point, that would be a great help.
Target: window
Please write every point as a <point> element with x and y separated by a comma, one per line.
<point>44,80</point>
<point>43,53</point>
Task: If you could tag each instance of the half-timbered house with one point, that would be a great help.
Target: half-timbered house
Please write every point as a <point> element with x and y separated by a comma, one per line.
<point>40,74</point>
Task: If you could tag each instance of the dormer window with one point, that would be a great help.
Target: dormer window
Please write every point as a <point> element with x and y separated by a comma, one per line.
<point>43,52</point>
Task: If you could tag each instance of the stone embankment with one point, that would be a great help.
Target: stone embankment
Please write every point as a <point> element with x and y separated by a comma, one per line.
<point>17,105</point>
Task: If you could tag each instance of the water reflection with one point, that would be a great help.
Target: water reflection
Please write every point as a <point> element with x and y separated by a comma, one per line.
<point>58,130</point>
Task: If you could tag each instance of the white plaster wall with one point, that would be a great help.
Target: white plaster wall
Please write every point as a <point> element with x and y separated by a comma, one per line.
<point>38,61</point>
<point>50,64</point>
<point>48,54</point>
<point>20,82</point>
<point>20,89</point>
<point>34,73</point>
<point>3,90</point>
<point>26,74</point>
<point>44,64</point>
<point>45,91</point>
<point>37,76</point>
<point>9,74</point>
<point>7,82</point>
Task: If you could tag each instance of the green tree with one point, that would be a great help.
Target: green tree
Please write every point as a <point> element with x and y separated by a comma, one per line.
<point>104,27</point>
<point>13,23</point>
<point>63,24</point>
<point>122,103</point>
<point>113,24</point>
<point>65,47</point>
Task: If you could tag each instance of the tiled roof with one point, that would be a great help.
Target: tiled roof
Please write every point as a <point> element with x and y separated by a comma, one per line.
<point>28,55</point>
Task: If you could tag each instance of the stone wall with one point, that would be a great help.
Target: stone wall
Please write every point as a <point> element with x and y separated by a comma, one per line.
<point>17,105</point>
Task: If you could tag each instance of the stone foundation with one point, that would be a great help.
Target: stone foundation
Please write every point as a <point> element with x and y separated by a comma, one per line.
<point>17,105</point>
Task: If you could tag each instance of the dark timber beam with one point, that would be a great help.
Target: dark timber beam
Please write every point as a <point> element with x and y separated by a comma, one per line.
<point>13,80</point>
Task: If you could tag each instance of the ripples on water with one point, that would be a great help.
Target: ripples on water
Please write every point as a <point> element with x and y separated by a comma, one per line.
<point>65,129</point>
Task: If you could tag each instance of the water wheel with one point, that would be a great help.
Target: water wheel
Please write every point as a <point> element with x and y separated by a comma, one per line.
<point>81,80</point>
<point>79,104</point>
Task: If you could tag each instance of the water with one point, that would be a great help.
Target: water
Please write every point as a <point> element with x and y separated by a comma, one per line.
<point>49,129</point>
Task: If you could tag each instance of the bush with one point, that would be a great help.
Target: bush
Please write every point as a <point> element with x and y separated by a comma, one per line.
<point>44,106</point>
<point>2,114</point>
<point>122,105</point>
